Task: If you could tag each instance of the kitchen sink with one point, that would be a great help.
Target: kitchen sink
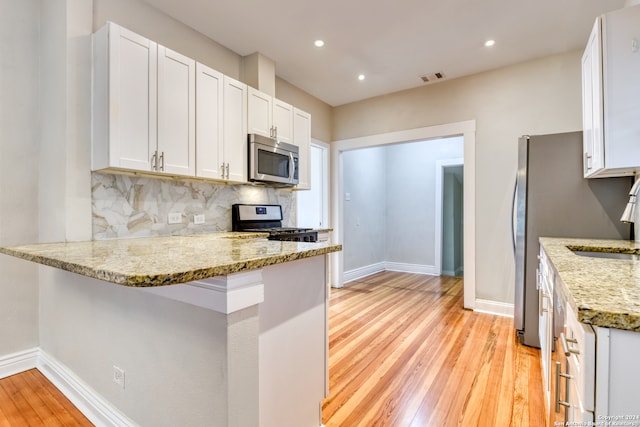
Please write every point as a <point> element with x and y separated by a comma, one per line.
<point>608,255</point>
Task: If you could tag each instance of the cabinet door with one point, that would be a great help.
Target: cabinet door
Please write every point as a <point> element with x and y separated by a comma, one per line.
<point>176,113</point>
<point>621,88</point>
<point>283,121</point>
<point>259,112</point>
<point>302,138</point>
<point>131,101</point>
<point>235,129</point>
<point>209,123</point>
<point>592,100</point>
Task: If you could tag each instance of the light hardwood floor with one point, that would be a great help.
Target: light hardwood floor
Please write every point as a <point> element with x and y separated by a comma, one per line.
<point>403,352</point>
<point>29,399</point>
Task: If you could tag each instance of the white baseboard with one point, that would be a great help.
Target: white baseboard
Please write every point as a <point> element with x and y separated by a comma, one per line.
<point>359,273</point>
<point>411,268</point>
<point>494,307</point>
<point>97,409</point>
<point>21,361</point>
<point>93,406</point>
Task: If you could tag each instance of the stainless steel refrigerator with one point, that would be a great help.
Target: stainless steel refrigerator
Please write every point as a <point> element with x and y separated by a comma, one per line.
<point>552,199</point>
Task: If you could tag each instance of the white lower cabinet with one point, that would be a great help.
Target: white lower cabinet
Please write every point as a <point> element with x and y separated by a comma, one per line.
<point>545,285</point>
<point>595,375</point>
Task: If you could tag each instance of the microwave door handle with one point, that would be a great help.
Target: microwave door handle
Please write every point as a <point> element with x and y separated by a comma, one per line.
<point>292,167</point>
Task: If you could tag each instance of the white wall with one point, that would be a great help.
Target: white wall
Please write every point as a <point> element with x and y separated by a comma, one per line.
<point>392,194</point>
<point>537,97</point>
<point>19,124</point>
<point>411,212</point>
<point>365,214</point>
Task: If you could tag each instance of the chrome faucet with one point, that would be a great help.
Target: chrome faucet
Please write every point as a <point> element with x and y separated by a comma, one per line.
<point>629,214</point>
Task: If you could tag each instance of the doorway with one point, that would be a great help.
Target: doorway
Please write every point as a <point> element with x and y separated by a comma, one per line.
<point>451,224</point>
<point>467,131</point>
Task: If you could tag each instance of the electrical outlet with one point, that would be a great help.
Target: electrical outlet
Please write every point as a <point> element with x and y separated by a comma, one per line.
<point>174,218</point>
<point>118,376</point>
<point>198,219</point>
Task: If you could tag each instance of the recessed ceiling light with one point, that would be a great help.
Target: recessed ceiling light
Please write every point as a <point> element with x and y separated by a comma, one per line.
<point>361,77</point>
<point>319,43</point>
<point>489,43</point>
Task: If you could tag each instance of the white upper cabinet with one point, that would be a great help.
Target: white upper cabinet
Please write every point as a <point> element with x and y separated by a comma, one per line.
<point>260,113</point>
<point>269,116</point>
<point>176,113</point>
<point>209,123</point>
<point>235,130</point>
<point>156,110</point>
<point>283,121</point>
<point>221,135</point>
<point>144,105</point>
<point>124,99</point>
<point>611,95</point>
<point>302,138</point>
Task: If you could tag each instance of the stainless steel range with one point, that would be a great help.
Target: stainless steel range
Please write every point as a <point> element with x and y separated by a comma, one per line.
<point>268,219</point>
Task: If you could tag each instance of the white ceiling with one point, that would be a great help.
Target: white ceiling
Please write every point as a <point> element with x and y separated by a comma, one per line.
<point>392,42</point>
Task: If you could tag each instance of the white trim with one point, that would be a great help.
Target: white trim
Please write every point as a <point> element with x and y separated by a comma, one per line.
<point>440,167</point>
<point>93,406</point>
<point>21,361</point>
<point>402,267</point>
<point>468,130</point>
<point>368,270</point>
<point>224,294</point>
<point>494,307</point>
<point>361,272</point>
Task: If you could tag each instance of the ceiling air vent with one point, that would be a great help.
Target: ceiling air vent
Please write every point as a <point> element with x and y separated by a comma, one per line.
<point>433,77</point>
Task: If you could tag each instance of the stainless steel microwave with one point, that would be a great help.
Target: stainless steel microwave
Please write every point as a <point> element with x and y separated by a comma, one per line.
<point>271,161</point>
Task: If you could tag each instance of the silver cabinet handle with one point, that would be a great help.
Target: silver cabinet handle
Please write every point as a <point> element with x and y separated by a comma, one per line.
<point>222,171</point>
<point>162,161</point>
<point>154,161</point>
<point>568,351</point>
<point>227,169</point>
<point>558,376</point>
<point>587,161</point>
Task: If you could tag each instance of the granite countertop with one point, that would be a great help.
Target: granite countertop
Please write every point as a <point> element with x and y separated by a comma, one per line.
<point>603,292</point>
<point>158,261</point>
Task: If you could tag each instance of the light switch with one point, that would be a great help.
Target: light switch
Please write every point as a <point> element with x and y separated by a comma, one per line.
<point>347,196</point>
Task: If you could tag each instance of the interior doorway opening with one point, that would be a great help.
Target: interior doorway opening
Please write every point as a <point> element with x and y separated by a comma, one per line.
<point>465,129</point>
<point>452,224</point>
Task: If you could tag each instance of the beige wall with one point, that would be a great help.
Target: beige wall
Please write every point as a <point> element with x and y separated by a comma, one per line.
<point>536,97</point>
<point>19,111</point>
<point>320,111</point>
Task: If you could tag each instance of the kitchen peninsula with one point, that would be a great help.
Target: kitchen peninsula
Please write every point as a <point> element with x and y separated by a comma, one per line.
<point>262,303</point>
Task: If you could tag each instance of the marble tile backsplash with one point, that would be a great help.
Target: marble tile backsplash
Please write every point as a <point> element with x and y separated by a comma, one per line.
<point>136,206</point>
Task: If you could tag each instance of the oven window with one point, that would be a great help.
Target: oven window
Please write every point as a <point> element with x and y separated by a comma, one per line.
<point>273,164</point>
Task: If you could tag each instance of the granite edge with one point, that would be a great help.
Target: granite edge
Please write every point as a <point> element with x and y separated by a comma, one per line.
<point>170,278</point>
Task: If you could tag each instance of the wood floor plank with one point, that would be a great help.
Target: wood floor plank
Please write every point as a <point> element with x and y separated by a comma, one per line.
<point>29,399</point>
<point>403,352</point>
